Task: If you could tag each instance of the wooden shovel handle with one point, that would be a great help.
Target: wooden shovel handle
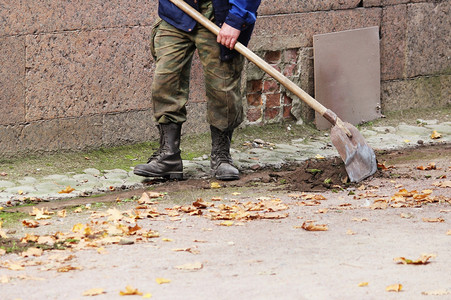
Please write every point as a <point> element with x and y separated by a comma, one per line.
<point>291,86</point>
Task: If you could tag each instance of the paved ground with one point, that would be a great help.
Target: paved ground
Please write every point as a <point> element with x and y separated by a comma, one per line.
<point>259,241</point>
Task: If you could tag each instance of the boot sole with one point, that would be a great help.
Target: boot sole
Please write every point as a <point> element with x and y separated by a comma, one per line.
<point>227,178</point>
<point>169,175</point>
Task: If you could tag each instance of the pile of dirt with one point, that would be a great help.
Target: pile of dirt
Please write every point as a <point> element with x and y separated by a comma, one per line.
<point>317,175</point>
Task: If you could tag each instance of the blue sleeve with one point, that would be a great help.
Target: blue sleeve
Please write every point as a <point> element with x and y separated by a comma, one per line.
<point>242,13</point>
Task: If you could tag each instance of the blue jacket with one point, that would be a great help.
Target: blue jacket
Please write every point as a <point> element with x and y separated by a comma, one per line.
<point>240,14</point>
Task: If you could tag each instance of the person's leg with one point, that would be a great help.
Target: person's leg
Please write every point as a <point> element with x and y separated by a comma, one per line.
<point>224,101</point>
<point>174,51</point>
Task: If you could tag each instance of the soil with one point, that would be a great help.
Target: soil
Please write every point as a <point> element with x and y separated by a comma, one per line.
<point>269,255</point>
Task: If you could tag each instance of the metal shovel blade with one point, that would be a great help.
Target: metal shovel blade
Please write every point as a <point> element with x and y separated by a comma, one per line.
<point>358,156</point>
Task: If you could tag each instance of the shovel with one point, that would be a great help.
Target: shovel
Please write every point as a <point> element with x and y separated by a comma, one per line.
<point>359,158</point>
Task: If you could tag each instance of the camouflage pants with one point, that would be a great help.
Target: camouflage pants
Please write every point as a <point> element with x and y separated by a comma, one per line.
<point>174,51</point>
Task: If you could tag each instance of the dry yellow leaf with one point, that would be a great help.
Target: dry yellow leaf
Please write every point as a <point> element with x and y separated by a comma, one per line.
<point>449,232</point>
<point>394,288</point>
<point>319,156</point>
<point>32,252</point>
<point>433,220</point>
<point>310,226</point>
<point>130,291</point>
<point>363,284</point>
<point>215,185</point>
<point>61,213</point>
<point>67,190</point>
<point>162,280</point>
<point>30,223</point>
<point>423,260</point>
<point>435,135</point>
<point>226,223</point>
<point>190,267</point>
<point>3,234</point>
<point>94,292</point>
<point>77,227</point>
<point>167,240</point>
<point>15,266</point>
<point>350,232</point>
<point>147,296</point>
<point>101,250</point>
<point>67,268</point>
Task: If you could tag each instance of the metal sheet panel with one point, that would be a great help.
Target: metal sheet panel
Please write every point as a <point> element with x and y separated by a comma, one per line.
<point>347,74</point>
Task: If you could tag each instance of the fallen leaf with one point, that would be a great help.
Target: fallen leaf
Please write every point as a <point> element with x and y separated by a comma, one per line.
<point>167,240</point>
<point>444,184</point>
<point>363,284</point>
<point>61,213</point>
<point>433,220</point>
<point>435,135</point>
<point>449,232</point>
<point>350,232</point>
<point>67,268</point>
<point>215,185</point>
<point>94,292</point>
<point>436,293</point>
<point>147,296</point>
<point>162,280</point>
<point>67,190</point>
<point>319,156</point>
<point>423,260</point>
<point>394,288</point>
<point>145,199</point>
<point>360,219</point>
<point>102,250</point>
<point>15,266</point>
<point>190,267</point>
<point>32,252</point>
<point>226,223</point>
<point>30,223</point>
<point>2,251</point>
<point>430,166</point>
<point>130,291</point>
<point>77,227</point>
<point>379,204</point>
<point>310,226</point>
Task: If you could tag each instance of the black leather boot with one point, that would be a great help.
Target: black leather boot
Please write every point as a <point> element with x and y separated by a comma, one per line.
<point>166,161</point>
<point>221,162</point>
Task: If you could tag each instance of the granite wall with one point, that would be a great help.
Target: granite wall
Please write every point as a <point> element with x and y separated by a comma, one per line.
<point>77,74</point>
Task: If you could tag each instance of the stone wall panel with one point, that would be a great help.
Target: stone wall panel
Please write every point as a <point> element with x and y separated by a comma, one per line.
<point>429,38</point>
<point>83,73</point>
<point>291,7</point>
<point>10,140</point>
<point>421,92</point>
<point>297,30</point>
<point>393,42</point>
<point>44,16</point>
<point>63,134</point>
<point>128,128</point>
<point>12,76</point>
